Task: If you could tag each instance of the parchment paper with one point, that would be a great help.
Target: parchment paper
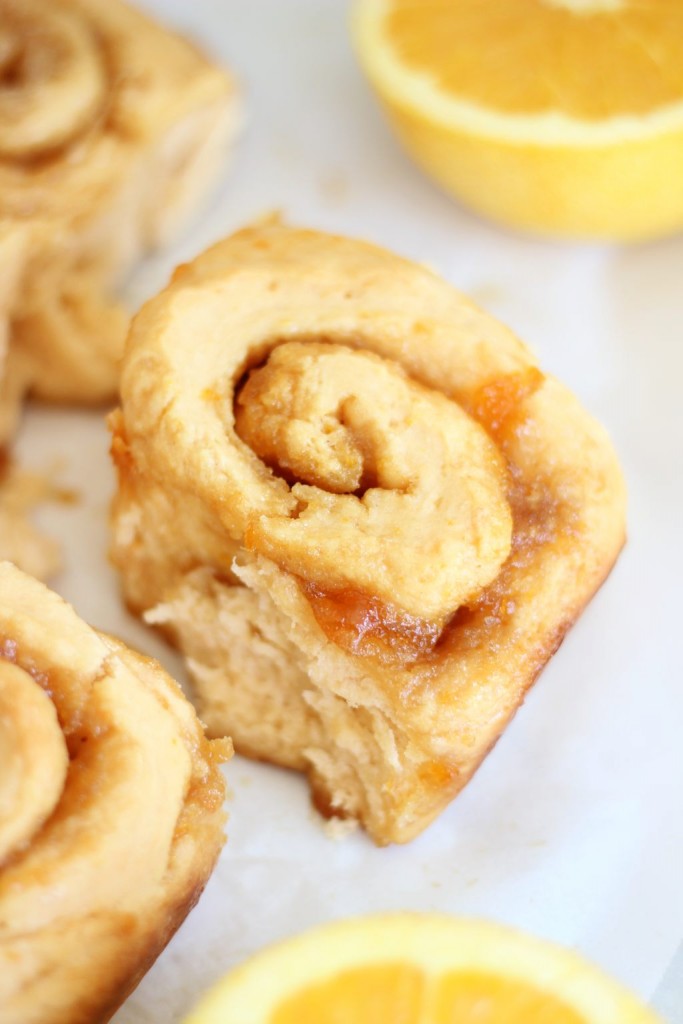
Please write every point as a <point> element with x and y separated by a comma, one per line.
<point>572,829</point>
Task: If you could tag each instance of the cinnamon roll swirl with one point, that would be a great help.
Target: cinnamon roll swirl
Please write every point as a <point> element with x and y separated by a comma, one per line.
<point>110,811</point>
<point>359,508</point>
<point>111,128</point>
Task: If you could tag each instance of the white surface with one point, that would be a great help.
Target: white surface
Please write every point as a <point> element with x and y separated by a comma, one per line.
<point>572,828</point>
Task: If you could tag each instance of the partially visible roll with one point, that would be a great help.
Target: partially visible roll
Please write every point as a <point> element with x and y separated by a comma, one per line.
<point>110,811</point>
<point>111,130</point>
<point>359,508</point>
<point>20,541</point>
<point>14,372</point>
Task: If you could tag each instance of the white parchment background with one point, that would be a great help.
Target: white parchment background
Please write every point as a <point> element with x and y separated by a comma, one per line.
<point>572,829</point>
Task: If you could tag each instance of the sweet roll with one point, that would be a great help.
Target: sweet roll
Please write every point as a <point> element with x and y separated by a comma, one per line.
<point>360,510</point>
<point>111,129</point>
<point>110,811</point>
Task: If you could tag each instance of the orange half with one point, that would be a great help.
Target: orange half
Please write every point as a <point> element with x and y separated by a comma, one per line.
<point>562,116</point>
<point>417,969</point>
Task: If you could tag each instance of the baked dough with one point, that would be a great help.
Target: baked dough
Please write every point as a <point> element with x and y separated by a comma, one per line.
<point>111,129</point>
<point>359,508</point>
<point>110,811</point>
<point>20,542</point>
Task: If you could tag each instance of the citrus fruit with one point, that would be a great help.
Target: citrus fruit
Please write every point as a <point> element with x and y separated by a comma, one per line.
<point>417,969</point>
<point>559,116</point>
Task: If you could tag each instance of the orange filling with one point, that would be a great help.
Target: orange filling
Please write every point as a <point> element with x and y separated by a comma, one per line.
<point>365,626</point>
<point>402,994</point>
<point>498,403</point>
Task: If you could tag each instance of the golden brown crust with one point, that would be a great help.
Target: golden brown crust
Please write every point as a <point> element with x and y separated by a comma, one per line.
<point>342,482</point>
<point>110,130</point>
<point>128,839</point>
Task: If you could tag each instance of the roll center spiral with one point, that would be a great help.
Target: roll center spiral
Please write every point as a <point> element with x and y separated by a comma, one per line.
<point>398,493</point>
<point>312,414</point>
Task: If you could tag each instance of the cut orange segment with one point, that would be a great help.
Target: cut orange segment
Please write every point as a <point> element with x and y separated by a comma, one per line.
<point>560,116</point>
<point>417,969</point>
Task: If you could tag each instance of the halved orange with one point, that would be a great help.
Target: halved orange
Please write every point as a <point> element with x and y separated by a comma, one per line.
<point>559,116</point>
<point>417,969</point>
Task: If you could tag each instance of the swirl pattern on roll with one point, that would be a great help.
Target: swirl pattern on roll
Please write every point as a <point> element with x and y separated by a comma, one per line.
<point>57,78</point>
<point>110,811</point>
<point>111,128</point>
<point>382,458</point>
<point>328,449</point>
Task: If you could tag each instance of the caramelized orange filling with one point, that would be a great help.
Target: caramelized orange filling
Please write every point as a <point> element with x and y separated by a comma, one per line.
<point>365,626</point>
<point>498,403</point>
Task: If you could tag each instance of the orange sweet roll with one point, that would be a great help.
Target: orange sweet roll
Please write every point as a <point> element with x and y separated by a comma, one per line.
<point>110,811</point>
<point>359,508</point>
<point>111,128</point>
